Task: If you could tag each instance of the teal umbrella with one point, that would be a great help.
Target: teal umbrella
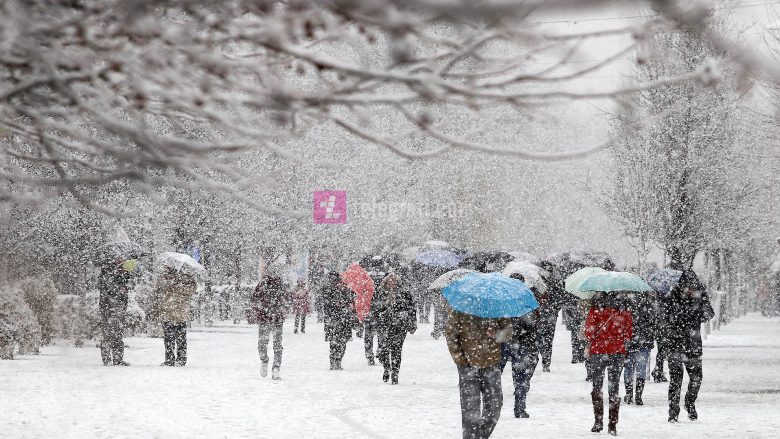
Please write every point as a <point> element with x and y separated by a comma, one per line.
<point>573,281</point>
<point>610,281</point>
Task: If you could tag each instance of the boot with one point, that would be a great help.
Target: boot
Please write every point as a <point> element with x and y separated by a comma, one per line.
<point>674,412</point>
<point>629,398</point>
<point>275,374</point>
<point>658,376</point>
<point>263,368</point>
<point>394,378</point>
<point>385,375</point>
<point>598,412</point>
<point>640,387</point>
<point>691,409</point>
<point>614,409</point>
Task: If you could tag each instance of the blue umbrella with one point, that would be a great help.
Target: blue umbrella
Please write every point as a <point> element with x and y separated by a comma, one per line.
<point>490,295</point>
<point>663,280</point>
<point>439,258</point>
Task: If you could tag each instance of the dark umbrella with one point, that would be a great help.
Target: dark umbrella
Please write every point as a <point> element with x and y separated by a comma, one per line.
<point>117,251</point>
<point>486,261</point>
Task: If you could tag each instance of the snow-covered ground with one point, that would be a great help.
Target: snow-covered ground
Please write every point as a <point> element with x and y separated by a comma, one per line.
<point>66,392</point>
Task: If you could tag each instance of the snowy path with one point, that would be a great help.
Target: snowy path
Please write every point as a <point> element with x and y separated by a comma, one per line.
<point>65,392</point>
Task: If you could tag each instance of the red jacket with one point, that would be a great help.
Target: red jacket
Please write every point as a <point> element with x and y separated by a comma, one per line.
<point>608,330</point>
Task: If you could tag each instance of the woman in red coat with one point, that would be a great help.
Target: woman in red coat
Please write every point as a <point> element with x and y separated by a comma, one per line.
<point>607,330</point>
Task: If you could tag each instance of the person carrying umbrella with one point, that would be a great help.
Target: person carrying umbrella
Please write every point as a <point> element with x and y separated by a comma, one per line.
<point>608,330</point>
<point>270,302</point>
<point>114,286</point>
<point>338,302</point>
<point>477,327</point>
<point>393,310</point>
<point>638,350</point>
<point>686,309</point>
<point>523,351</point>
<point>172,293</point>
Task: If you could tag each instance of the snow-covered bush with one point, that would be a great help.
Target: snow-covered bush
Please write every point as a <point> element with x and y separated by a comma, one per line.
<point>40,294</point>
<point>73,323</point>
<point>18,325</point>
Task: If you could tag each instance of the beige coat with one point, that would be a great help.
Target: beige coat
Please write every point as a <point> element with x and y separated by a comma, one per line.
<point>474,341</point>
<point>173,292</point>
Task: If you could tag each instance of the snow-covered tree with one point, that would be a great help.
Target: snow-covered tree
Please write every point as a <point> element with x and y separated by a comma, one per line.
<point>682,179</point>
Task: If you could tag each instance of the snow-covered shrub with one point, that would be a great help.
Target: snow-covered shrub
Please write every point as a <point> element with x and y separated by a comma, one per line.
<point>18,325</point>
<point>41,296</point>
<point>135,318</point>
<point>73,323</point>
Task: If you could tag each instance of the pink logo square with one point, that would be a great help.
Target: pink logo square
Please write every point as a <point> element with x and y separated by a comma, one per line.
<point>330,207</point>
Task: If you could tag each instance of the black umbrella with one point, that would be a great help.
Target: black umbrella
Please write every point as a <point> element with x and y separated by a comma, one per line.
<point>117,251</point>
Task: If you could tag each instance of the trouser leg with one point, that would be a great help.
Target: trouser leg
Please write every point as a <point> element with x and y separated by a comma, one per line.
<point>181,343</point>
<point>527,364</point>
<point>277,329</point>
<point>675,382</point>
<point>368,339</point>
<point>396,347</point>
<point>263,335</point>
<point>303,322</point>
<point>492,399</point>
<point>297,321</point>
<point>469,384</point>
<point>695,374</point>
<point>169,340</point>
<point>598,364</point>
<point>383,348</point>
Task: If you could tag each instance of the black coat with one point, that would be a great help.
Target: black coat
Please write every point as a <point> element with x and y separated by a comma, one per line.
<point>394,311</point>
<point>680,326</point>
<point>338,301</point>
<point>644,318</point>
<point>524,331</point>
<point>114,286</point>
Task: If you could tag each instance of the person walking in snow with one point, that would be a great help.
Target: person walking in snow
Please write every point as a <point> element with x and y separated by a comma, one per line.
<point>270,302</point>
<point>687,308</point>
<point>393,309</point>
<point>638,349</point>
<point>523,351</point>
<point>113,285</point>
<point>173,292</point>
<point>475,346</point>
<point>338,301</point>
<point>301,306</point>
<point>607,330</point>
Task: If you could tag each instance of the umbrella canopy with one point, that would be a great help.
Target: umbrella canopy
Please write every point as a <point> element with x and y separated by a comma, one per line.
<point>490,295</point>
<point>610,281</point>
<point>567,263</point>
<point>572,282</point>
<point>532,274</point>
<point>448,278</point>
<point>359,281</point>
<point>117,251</point>
<point>523,256</point>
<point>438,258</point>
<point>664,280</point>
<point>182,263</point>
<point>436,245</point>
<point>486,261</point>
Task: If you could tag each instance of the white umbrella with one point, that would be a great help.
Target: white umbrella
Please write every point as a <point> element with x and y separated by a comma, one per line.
<point>182,263</point>
<point>523,256</point>
<point>449,277</point>
<point>532,274</point>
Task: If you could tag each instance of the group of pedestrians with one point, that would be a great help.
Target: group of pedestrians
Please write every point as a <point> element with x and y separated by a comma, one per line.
<point>614,336</point>
<point>617,335</point>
